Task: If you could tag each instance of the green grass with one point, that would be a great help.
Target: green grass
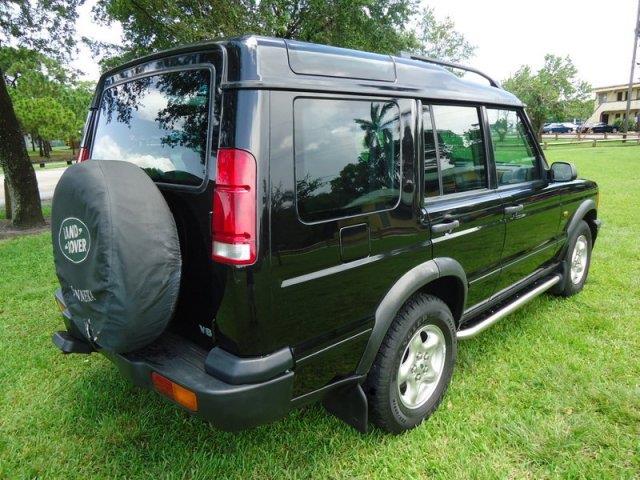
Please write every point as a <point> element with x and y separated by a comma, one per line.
<point>59,157</point>
<point>50,165</point>
<point>46,211</point>
<point>552,391</point>
<point>588,143</point>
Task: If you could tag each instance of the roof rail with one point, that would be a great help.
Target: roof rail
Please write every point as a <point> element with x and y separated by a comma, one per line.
<point>459,66</point>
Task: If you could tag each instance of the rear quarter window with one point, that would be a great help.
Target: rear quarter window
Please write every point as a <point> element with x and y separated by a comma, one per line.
<point>347,157</point>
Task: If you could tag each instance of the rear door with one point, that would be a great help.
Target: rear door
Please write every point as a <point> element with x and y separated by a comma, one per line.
<point>164,116</point>
<point>531,206</point>
<point>465,213</point>
<point>344,222</point>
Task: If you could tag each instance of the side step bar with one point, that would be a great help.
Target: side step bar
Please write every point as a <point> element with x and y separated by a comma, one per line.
<point>507,309</point>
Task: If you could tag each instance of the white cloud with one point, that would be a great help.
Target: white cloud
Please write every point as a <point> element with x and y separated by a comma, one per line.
<point>107,149</point>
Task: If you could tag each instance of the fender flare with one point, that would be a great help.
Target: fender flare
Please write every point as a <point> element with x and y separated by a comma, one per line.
<point>585,207</point>
<point>399,293</point>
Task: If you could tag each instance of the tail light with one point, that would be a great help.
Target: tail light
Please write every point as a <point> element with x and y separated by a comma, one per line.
<point>233,225</point>
<point>83,154</point>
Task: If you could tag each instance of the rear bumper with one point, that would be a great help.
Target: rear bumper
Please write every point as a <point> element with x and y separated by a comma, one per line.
<point>247,395</point>
<point>228,407</point>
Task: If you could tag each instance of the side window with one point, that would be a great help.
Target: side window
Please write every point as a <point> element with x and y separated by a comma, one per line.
<point>431,177</point>
<point>513,153</point>
<point>347,157</point>
<point>462,161</point>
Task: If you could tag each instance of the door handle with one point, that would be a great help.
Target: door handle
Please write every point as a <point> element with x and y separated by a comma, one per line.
<point>513,209</point>
<point>445,227</point>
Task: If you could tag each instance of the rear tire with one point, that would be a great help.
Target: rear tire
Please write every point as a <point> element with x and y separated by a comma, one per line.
<point>414,365</point>
<point>577,261</point>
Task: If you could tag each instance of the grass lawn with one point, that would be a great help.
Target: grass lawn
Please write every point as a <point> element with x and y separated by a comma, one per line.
<point>46,211</point>
<point>552,391</point>
<point>59,157</point>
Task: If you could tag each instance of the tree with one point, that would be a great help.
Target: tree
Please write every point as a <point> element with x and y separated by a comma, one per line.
<point>373,25</point>
<point>47,99</point>
<point>148,25</point>
<point>553,93</point>
<point>44,26</point>
<point>440,39</point>
<point>76,97</point>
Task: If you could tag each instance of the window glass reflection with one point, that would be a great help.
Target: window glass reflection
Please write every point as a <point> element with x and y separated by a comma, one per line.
<point>347,156</point>
<point>431,180</point>
<point>159,123</point>
<point>461,149</point>
<point>512,151</point>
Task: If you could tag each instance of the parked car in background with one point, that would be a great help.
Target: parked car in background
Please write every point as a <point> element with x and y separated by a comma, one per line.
<point>556,128</point>
<point>571,126</point>
<point>599,127</point>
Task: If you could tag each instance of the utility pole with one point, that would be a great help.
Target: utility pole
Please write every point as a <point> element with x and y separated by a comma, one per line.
<point>636,34</point>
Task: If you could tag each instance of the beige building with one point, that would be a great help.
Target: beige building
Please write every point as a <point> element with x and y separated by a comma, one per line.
<point>611,103</point>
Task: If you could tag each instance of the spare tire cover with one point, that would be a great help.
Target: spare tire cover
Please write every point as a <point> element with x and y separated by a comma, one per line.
<point>116,252</point>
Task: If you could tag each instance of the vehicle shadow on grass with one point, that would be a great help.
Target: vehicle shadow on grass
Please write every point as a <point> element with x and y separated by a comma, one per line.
<point>134,430</point>
<point>124,423</point>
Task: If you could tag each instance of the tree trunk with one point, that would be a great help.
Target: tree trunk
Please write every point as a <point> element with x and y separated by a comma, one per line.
<point>26,210</point>
<point>33,145</point>
<point>47,149</point>
<point>40,150</point>
<point>7,200</point>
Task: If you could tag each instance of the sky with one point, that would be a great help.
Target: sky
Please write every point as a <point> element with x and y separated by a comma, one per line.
<point>597,34</point>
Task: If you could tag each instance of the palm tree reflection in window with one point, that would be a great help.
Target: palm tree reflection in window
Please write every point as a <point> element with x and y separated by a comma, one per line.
<point>366,176</point>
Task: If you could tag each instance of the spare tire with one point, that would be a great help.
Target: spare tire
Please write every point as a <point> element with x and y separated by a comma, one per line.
<point>116,252</point>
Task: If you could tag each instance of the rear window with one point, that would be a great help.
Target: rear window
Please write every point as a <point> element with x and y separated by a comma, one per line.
<point>158,122</point>
<point>347,157</point>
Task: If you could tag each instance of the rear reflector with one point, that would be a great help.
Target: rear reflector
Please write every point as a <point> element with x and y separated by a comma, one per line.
<point>175,392</point>
<point>83,154</point>
<point>233,225</point>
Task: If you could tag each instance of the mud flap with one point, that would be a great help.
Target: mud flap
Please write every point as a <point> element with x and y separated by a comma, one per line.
<point>349,404</point>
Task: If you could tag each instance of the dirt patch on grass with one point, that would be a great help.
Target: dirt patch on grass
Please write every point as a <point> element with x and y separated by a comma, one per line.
<point>9,231</point>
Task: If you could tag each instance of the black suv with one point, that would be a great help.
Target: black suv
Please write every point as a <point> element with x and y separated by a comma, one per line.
<point>263,223</point>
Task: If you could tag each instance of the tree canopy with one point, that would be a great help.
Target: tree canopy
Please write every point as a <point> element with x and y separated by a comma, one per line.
<point>385,26</point>
<point>49,101</point>
<point>46,27</point>
<point>553,93</point>
<point>440,39</point>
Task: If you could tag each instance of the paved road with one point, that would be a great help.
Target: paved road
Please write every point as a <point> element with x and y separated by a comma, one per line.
<point>47,181</point>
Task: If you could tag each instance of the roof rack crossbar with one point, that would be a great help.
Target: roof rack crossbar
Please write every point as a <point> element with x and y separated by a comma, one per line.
<point>444,63</point>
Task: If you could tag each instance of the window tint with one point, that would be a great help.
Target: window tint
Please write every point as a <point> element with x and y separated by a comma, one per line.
<point>512,150</point>
<point>159,123</point>
<point>347,157</point>
<point>460,147</point>
<point>431,178</point>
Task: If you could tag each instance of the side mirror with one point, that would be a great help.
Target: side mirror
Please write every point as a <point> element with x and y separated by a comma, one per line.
<point>563,172</point>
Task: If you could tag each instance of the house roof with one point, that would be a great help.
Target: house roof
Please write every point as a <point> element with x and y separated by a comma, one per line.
<point>615,87</point>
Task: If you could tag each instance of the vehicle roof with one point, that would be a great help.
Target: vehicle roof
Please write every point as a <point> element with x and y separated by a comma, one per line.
<point>275,63</point>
